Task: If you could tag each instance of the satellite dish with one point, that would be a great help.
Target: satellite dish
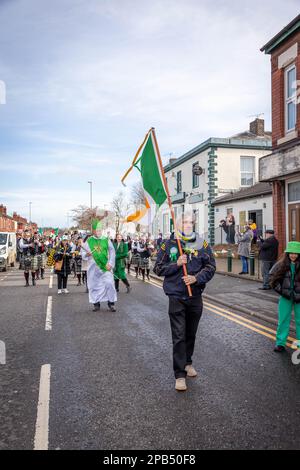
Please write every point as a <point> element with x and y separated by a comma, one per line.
<point>197,170</point>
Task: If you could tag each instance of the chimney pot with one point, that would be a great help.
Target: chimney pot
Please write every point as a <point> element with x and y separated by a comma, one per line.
<point>257,127</point>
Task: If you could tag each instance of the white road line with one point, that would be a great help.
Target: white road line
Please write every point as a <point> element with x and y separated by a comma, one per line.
<point>51,282</point>
<point>41,438</point>
<point>48,325</point>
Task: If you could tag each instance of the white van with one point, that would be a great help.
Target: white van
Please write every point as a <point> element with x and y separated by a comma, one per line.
<point>8,250</point>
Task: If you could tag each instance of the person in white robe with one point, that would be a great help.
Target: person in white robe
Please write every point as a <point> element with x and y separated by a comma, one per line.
<point>100,282</point>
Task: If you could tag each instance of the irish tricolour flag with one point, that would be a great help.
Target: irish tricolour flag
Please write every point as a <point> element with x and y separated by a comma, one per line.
<point>147,160</point>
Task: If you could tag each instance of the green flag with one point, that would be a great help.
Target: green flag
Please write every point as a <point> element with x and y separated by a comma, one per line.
<point>151,170</point>
<point>152,178</point>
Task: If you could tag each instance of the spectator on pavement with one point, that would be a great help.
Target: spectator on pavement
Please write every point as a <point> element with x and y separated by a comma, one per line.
<point>285,279</point>
<point>228,226</point>
<point>268,254</point>
<point>244,247</point>
<point>253,227</point>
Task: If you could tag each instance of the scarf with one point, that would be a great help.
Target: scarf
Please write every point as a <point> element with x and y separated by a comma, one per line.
<point>186,238</point>
<point>99,250</point>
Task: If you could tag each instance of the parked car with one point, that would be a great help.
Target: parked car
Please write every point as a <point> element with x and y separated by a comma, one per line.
<point>8,250</point>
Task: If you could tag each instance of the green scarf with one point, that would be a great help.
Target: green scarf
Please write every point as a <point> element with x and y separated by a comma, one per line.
<point>99,250</point>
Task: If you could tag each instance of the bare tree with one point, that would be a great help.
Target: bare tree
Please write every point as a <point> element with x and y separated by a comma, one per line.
<point>137,195</point>
<point>83,216</point>
<point>120,208</point>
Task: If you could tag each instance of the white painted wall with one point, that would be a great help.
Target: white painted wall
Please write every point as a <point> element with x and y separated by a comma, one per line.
<point>229,178</point>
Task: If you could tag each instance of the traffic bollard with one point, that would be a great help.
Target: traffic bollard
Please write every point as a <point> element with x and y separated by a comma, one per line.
<point>229,261</point>
<point>252,263</point>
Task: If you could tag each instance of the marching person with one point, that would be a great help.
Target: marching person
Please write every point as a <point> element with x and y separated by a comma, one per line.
<point>84,264</point>
<point>121,249</point>
<point>41,259</point>
<point>285,279</point>
<point>77,258</point>
<point>129,243</point>
<point>145,255</point>
<point>184,311</point>
<point>136,256</point>
<point>100,254</point>
<point>35,258</point>
<point>268,254</point>
<point>26,248</point>
<point>62,259</point>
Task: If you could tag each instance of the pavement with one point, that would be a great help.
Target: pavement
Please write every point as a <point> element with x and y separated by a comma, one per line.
<point>109,382</point>
<point>243,294</point>
<point>237,267</point>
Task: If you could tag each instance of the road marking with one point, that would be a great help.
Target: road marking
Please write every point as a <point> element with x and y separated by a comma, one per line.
<point>41,438</point>
<point>237,319</point>
<point>263,327</point>
<point>245,325</point>
<point>48,325</point>
<point>51,282</point>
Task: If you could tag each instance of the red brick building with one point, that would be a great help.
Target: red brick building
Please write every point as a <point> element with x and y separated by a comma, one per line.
<point>282,166</point>
<point>14,223</point>
<point>7,224</point>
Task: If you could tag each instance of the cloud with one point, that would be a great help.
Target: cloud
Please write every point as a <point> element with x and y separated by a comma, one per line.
<point>85,81</point>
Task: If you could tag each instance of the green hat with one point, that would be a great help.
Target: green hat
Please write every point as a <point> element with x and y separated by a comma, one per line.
<point>293,247</point>
<point>96,224</point>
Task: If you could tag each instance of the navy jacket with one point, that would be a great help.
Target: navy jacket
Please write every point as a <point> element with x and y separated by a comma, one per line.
<point>201,264</point>
<point>268,250</point>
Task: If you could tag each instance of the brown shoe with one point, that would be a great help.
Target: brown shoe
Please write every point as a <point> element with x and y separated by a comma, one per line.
<point>180,385</point>
<point>190,371</point>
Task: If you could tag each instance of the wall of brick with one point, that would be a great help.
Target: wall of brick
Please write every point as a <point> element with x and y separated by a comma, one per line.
<point>279,215</point>
<point>7,224</point>
<point>278,130</point>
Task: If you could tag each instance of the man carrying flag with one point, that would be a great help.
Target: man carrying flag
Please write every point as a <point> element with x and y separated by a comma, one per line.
<point>184,310</point>
<point>185,261</point>
<point>99,252</point>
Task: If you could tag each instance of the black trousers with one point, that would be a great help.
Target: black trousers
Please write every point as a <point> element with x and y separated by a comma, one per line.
<point>62,281</point>
<point>117,281</point>
<point>184,318</point>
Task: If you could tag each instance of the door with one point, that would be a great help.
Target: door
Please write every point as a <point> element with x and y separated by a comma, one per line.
<point>257,217</point>
<point>294,222</point>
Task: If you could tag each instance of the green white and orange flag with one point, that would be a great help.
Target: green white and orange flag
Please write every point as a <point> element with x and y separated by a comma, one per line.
<point>148,163</point>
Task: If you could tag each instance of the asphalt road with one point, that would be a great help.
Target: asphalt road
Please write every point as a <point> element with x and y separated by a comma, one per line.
<point>111,379</point>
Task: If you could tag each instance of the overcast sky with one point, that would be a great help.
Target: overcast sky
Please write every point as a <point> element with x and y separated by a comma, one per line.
<point>85,80</point>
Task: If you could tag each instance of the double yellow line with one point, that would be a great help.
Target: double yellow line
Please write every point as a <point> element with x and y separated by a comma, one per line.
<point>250,324</point>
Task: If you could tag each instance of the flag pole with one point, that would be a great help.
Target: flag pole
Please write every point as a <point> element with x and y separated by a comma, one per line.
<point>135,158</point>
<point>170,205</point>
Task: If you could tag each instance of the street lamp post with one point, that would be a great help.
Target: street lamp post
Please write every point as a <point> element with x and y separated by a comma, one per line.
<point>30,203</point>
<point>91,200</point>
<point>91,194</point>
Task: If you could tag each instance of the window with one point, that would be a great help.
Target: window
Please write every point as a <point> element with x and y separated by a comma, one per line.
<point>3,238</point>
<point>247,171</point>
<point>179,182</point>
<point>290,98</point>
<point>294,191</point>
<point>229,211</point>
<point>195,177</point>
